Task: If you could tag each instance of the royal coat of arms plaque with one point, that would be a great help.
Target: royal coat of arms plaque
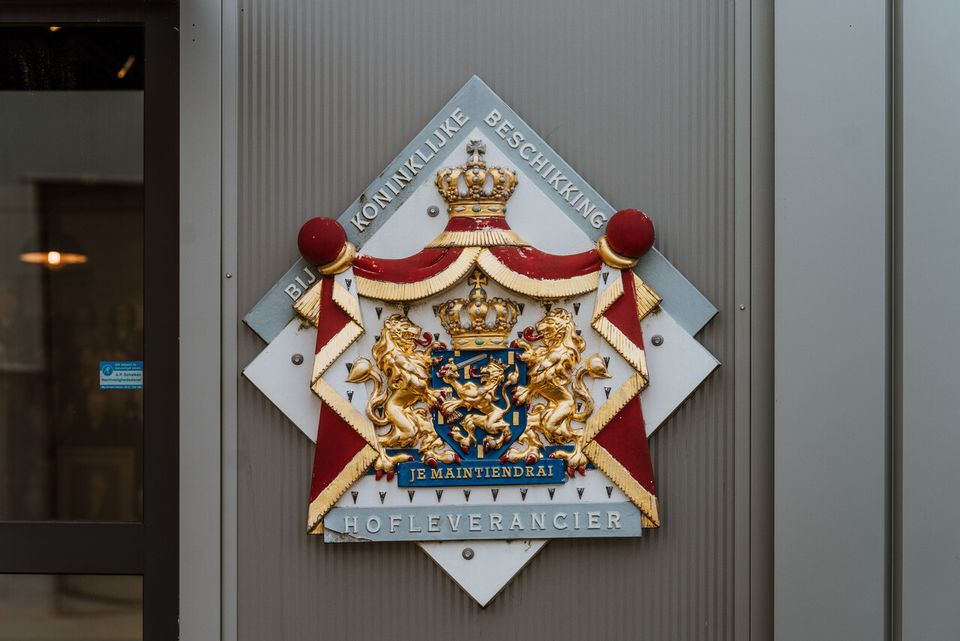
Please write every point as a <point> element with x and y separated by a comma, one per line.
<point>480,381</point>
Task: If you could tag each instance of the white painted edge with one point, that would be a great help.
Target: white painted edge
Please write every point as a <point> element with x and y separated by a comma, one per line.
<point>491,567</point>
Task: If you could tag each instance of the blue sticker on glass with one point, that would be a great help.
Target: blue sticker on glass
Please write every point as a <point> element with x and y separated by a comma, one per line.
<point>121,374</point>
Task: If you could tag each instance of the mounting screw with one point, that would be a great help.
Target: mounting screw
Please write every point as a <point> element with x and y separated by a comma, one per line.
<point>742,307</point>
<point>657,340</point>
<point>297,359</point>
<point>229,275</point>
<point>467,553</point>
<point>433,211</point>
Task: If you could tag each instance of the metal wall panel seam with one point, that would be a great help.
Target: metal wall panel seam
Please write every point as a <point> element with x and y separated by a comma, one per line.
<point>762,223</point>
<point>743,249</point>
<point>894,320</point>
<point>200,288</point>
<point>229,322</point>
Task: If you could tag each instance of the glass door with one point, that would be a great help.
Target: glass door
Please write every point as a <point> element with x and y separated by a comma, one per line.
<point>88,322</point>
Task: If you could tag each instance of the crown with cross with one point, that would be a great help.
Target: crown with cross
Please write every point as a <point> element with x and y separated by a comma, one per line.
<point>478,323</point>
<point>474,189</point>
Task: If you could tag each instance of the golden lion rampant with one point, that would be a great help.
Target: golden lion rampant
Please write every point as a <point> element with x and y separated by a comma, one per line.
<point>482,398</point>
<point>402,397</point>
<point>554,384</point>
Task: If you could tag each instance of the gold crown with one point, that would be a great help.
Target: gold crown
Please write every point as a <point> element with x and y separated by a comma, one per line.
<point>473,189</point>
<point>478,323</point>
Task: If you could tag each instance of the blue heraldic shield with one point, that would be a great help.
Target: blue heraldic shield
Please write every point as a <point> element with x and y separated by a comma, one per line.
<point>479,417</point>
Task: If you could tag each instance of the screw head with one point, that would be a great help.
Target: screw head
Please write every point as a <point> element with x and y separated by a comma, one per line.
<point>433,211</point>
<point>742,307</point>
<point>297,359</point>
<point>467,553</point>
<point>657,340</point>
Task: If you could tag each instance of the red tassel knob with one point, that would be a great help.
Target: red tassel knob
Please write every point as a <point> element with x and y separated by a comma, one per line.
<point>630,233</point>
<point>321,240</point>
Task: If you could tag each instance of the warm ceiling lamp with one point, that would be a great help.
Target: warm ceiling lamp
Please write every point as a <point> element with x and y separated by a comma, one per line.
<point>125,69</point>
<point>53,259</point>
<point>55,254</point>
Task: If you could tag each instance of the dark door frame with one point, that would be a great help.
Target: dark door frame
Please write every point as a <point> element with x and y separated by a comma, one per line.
<point>149,548</point>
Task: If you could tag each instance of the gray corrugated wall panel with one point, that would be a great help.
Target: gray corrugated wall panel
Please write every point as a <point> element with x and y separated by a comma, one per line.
<point>638,97</point>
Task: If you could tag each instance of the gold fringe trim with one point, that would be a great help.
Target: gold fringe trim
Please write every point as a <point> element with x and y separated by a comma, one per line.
<point>630,351</point>
<point>353,470</point>
<point>534,287</point>
<point>612,258</point>
<point>486,209</point>
<point>308,305</point>
<point>514,281</point>
<point>342,262</point>
<point>479,238</point>
<point>614,469</point>
<point>345,410</point>
<point>612,406</point>
<point>348,303</point>
<point>360,463</point>
<point>334,348</point>
<point>308,308</point>
<point>384,290</point>
<point>647,299</point>
<point>608,297</point>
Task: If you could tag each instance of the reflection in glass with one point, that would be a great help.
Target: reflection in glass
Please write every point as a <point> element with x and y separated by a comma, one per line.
<point>71,271</point>
<point>41,607</point>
